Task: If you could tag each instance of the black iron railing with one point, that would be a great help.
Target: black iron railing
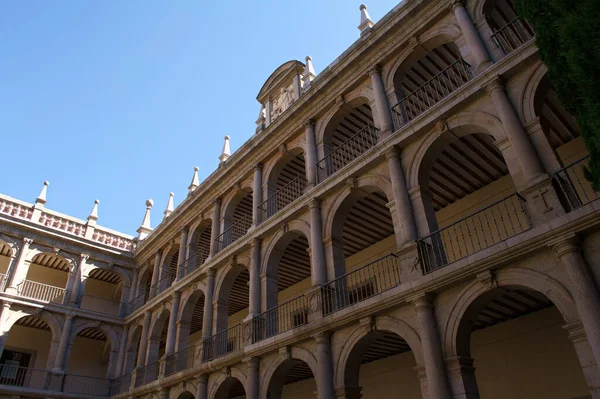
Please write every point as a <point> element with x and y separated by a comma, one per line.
<point>15,376</point>
<point>347,152</point>
<point>237,230</point>
<point>101,305</point>
<point>431,92</point>
<point>575,189</point>
<point>165,282</point>
<point>190,264</point>
<point>146,374</point>
<point>361,284</point>
<point>492,225</point>
<point>179,361</point>
<point>281,318</point>
<point>136,303</point>
<point>282,198</point>
<point>84,385</point>
<point>222,343</point>
<point>512,35</point>
<point>120,385</point>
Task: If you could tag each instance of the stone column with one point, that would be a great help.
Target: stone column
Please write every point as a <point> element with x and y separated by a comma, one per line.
<point>406,222</point>
<point>202,392</point>
<point>253,384</point>
<point>172,328</point>
<point>471,35</point>
<point>215,229</point>
<point>519,139</point>
<point>462,378</point>
<point>317,250</point>
<point>207,318</point>
<point>78,283</point>
<point>141,360</point>
<point>254,300</point>
<point>432,348</point>
<point>122,347</point>
<point>9,271</point>
<point>155,273</point>
<point>311,155</point>
<point>133,292</point>
<point>584,290</point>
<point>325,387</point>
<point>3,331</point>
<point>182,260</point>
<point>20,270</point>
<point>383,114</point>
<point>63,345</point>
<point>257,194</point>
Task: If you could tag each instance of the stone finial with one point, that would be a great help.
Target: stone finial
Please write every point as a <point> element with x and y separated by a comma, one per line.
<point>40,201</point>
<point>170,207</point>
<point>365,20</point>
<point>145,228</point>
<point>94,214</point>
<point>195,182</point>
<point>309,72</point>
<point>226,153</point>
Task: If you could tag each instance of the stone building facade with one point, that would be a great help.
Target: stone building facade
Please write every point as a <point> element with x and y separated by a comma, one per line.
<point>413,222</point>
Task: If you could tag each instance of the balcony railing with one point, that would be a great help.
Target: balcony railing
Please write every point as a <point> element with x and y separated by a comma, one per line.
<point>233,233</point>
<point>3,280</point>
<point>430,93</point>
<point>120,385</point>
<point>24,377</point>
<point>102,305</point>
<point>42,292</point>
<point>83,385</point>
<point>282,318</point>
<point>492,225</point>
<point>165,282</point>
<point>575,188</point>
<point>146,374</point>
<point>189,265</point>
<point>282,198</point>
<point>179,361</point>
<point>512,36</point>
<point>361,284</point>
<point>222,343</point>
<point>136,303</point>
<point>347,152</point>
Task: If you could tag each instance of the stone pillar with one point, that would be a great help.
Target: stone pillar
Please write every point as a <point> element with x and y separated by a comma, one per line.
<point>519,139</point>
<point>9,271</point>
<point>461,374</point>
<point>21,268</point>
<point>254,300</point>
<point>317,250</point>
<point>584,290</point>
<point>432,348</point>
<point>182,260</point>
<point>311,155</point>
<point>207,318</point>
<point>257,195</point>
<point>591,371</point>
<point>383,114</point>
<point>270,292</point>
<point>78,283</point>
<point>406,228</point>
<point>471,35</point>
<point>325,387</point>
<point>141,360</point>
<point>133,292</point>
<point>253,384</point>
<point>215,229</point>
<point>202,392</point>
<point>63,345</point>
<point>172,328</point>
<point>155,273</point>
<point>121,359</point>
<point>3,330</point>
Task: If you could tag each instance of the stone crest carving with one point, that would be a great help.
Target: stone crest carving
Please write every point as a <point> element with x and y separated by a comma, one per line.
<point>283,101</point>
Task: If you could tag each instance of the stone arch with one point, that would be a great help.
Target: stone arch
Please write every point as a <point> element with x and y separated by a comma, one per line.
<point>10,243</point>
<point>338,111</point>
<point>382,323</point>
<point>528,104</point>
<point>49,318</point>
<point>183,390</point>
<point>122,273</point>
<point>190,297</point>
<point>232,199</point>
<point>273,168</point>
<point>35,252</point>
<point>281,239</point>
<point>110,333</point>
<point>526,278</point>
<point>418,46</point>
<point>227,276</point>
<point>185,395</point>
<point>132,346</point>
<point>234,373</point>
<point>459,125</point>
<point>348,194</point>
<point>476,8</point>
<point>160,320</point>
<point>295,352</point>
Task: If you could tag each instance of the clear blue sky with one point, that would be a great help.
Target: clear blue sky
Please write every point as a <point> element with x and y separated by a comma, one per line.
<point>119,100</point>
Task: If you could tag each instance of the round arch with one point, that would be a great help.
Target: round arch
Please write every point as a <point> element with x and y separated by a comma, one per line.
<point>382,323</point>
<point>37,253</point>
<point>10,243</point>
<point>231,201</point>
<point>274,168</point>
<point>228,378</point>
<point>338,111</point>
<point>528,106</point>
<point>280,241</point>
<point>49,318</point>
<point>227,275</point>
<point>110,333</point>
<point>525,278</point>
<point>295,353</point>
<point>122,273</point>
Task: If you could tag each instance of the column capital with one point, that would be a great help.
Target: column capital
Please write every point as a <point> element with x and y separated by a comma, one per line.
<point>217,201</point>
<point>69,317</point>
<point>494,85</point>
<point>374,70</point>
<point>258,167</point>
<point>310,124</point>
<point>85,257</point>
<point>256,242</point>
<point>392,152</point>
<point>421,301</point>
<point>203,378</point>
<point>177,294</point>
<point>210,272</point>
<point>148,313</point>
<point>315,203</point>
<point>27,241</point>
<point>252,362</point>
<point>566,245</point>
<point>454,4</point>
<point>322,337</point>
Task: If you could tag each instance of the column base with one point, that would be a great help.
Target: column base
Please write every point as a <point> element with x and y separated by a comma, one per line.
<point>543,202</point>
<point>461,375</point>
<point>348,393</point>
